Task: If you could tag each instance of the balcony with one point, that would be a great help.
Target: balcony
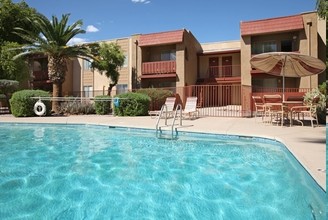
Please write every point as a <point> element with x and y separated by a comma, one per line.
<point>159,68</point>
<point>223,74</point>
<point>40,76</point>
<point>224,71</point>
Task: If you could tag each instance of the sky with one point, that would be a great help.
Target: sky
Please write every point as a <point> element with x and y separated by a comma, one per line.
<point>208,20</point>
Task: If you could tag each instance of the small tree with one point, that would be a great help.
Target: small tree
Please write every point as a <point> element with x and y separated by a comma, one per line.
<point>7,87</point>
<point>13,15</point>
<point>9,68</point>
<point>110,59</point>
<point>321,107</point>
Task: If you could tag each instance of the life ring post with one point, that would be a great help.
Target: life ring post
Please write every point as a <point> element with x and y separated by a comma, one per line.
<point>116,102</point>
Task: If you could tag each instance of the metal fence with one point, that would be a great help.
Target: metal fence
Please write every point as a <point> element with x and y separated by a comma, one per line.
<point>215,100</point>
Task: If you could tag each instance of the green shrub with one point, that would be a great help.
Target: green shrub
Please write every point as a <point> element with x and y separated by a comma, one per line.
<point>22,105</point>
<point>132,104</point>
<point>157,96</point>
<point>102,107</point>
<point>321,107</point>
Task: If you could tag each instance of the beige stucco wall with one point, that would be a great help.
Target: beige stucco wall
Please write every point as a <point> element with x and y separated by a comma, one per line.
<point>133,62</point>
<point>220,46</point>
<point>68,83</point>
<point>245,57</point>
<point>190,48</point>
<point>180,65</point>
<point>76,72</point>
<point>309,46</point>
<point>322,45</point>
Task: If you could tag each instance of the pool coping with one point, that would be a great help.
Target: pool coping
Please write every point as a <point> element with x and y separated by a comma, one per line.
<point>307,144</point>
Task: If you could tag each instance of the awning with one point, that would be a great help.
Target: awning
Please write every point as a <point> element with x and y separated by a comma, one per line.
<point>272,25</point>
<point>169,37</point>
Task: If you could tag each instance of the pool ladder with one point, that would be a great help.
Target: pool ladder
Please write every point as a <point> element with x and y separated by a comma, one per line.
<point>175,114</point>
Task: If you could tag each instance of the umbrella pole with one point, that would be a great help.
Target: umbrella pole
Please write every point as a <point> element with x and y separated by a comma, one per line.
<point>283,86</point>
<point>283,77</point>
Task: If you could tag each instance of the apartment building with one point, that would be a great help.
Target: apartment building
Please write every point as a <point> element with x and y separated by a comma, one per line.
<point>175,59</point>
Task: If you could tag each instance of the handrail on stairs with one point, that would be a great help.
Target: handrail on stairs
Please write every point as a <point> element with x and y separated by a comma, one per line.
<point>164,106</point>
<point>179,107</point>
<point>164,109</point>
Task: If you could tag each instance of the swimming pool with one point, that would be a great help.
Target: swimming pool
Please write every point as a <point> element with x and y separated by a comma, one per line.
<point>99,172</point>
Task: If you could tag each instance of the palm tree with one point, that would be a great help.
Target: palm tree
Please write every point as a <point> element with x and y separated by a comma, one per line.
<point>52,41</point>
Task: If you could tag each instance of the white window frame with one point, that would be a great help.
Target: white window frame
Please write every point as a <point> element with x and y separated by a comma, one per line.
<point>88,91</point>
<point>86,65</point>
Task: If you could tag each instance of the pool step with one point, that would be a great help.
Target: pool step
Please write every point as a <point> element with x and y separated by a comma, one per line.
<point>167,133</point>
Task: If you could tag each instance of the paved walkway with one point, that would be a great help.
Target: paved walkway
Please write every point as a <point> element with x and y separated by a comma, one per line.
<point>306,143</point>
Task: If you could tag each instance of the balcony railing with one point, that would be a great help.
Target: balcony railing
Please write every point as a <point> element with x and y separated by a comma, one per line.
<point>159,67</point>
<point>224,71</point>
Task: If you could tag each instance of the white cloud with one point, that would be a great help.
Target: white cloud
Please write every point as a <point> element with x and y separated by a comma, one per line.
<point>141,1</point>
<point>91,28</point>
<point>77,40</point>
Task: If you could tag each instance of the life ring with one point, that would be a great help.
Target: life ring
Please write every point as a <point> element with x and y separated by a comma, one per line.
<point>39,108</point>
<point>116,102</point>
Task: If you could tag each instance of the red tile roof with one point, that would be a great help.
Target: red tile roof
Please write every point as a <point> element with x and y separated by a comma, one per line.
<point>168,37</point>
<point>272,25</point>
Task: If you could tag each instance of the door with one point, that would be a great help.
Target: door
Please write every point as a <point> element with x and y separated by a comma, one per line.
<point>213,67</point>
<point>227,66</point>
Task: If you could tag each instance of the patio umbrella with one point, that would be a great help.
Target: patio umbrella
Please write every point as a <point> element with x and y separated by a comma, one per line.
<point>287,64</point>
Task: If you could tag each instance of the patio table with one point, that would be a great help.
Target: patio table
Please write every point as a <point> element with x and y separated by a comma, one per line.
<point>282,108</point>
<point>288,105</point>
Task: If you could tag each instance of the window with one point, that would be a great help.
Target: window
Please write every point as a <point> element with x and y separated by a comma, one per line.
<point>88,91</point>
<point>121,88</point>
<point>269,47</point>
<point>286,45</point>
<point>168,55</point>
<point>126,61</point>
<point>40,65</point>
<point>263,47</point>
<point>86,65</point>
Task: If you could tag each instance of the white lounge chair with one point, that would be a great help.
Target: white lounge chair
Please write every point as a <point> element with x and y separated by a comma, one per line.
<point>190,109</point>
<point>169,102</point>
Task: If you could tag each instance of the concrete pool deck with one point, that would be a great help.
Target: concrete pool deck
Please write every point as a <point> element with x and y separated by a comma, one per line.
<point>306,143</point>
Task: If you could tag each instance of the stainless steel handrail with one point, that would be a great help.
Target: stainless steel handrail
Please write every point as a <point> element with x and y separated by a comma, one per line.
<point>160,115</point>
<point>179,107</point>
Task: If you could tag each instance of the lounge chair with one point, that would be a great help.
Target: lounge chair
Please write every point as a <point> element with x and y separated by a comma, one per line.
<point>169,102</point>
<point>190,109</point>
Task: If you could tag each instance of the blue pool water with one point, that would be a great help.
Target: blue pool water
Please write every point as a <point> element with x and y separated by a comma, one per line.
<point>97,172</point>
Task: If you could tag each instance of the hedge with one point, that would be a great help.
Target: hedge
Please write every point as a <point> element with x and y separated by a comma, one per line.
<point>22,105</point>
<point>157,96</point>
<point>132,104</point>
<point>102,107</point>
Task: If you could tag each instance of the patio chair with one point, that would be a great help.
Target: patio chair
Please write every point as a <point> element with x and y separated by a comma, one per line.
<point>259,106</point>
<point>169,102</point>
<point>306,110</point>
<point>274,108</point>
<point>190,109</point>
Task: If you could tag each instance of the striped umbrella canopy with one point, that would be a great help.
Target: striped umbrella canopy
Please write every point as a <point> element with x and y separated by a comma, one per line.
<point>287,64</point>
